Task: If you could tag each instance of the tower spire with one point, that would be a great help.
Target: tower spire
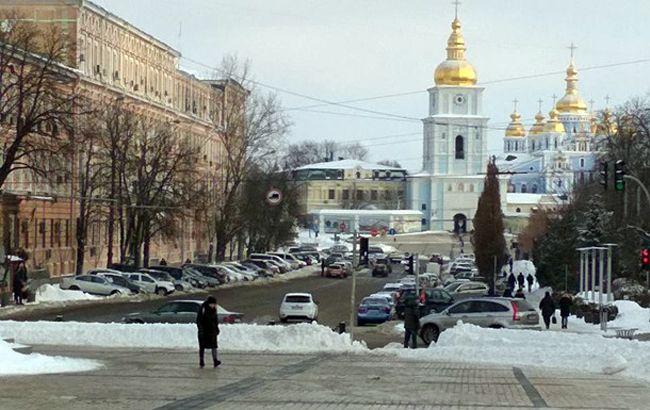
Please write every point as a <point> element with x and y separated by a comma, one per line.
<point>571,101</point>
<point>539,105</point>
<point>456,3</point>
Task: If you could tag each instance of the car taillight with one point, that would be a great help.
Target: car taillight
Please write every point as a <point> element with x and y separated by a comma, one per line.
<point>515,311</point>
<point>229,319</point>
<point>363,309</point>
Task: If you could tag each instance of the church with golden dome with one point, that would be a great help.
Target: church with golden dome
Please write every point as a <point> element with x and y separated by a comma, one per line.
<point>447,189</point>
<point>555,153</point>
<point>547,159</point>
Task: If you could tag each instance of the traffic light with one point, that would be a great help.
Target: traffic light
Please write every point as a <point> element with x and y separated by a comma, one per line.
<point>410,265</point>
<point>619,175</point>
<point>645,258</point>
<point>363,250</point>
<point>604,174</point>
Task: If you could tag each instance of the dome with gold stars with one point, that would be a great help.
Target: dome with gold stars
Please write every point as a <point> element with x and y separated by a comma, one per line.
<point>515,128</point>
<point>455,70</point>
<point>554,124</point>
<point>571,102</point>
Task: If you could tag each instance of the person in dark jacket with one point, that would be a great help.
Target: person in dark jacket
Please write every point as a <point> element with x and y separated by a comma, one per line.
<point>208,327</point>
<point>565,309</point>
<point>163,262</point>
<point>411,322</point>
<point>521,279</point>
<point>520,294</point>
<point>322,267</point>
<point>530,279</point>
<point>20,278</point>
<point>547,306</point>
<point>511,281</point>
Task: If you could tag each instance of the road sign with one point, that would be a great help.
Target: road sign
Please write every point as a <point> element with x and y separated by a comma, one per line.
<point>373,232</point>
<point>342,226</point>
<point>273,197</point>
<point>392,231</point>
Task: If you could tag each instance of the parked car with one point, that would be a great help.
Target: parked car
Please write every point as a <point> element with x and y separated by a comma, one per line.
<point>151,285</point>
<point>203,281</point>
<point>381,267</point>
<point>373,310</point>
<point>180,311</point>
<point>467,289</point>
<point>208,270</point>
<point>264,265</point>
<point>124,267</point>
<point>181,280</point>
<point>119,280</point>
<point>231,274</point>
<point>290,259</point>
<point>390,298</point>
<point>298,306</point>
<point>336,270</point>
<point>431,300</point>
<point>179,285</point>
<point>94,284</point>
<point>484,312</point>
<point>238,267</point>
<point>274,258</point>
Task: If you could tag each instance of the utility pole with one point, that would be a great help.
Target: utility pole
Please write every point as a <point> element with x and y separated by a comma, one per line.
<point>566,278</point>
<point>355,264</point>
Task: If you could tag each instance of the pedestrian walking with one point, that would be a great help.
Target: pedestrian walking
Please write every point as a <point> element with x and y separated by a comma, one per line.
<point>530,279</point>
<point>547,306</point>
<point>565,309</point>
<point>322,267</point>
<point>510,263</point>
<point>163,262</point>
<point>20,279</point>
<point>521,279</point>
<point>411,322</point>
<point>520,294</point>
<point>511,281</point>
<point>208,330</point>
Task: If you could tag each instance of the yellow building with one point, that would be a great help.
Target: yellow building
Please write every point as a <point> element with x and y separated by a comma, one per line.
<point>349,184</point>
<point>114,60</point>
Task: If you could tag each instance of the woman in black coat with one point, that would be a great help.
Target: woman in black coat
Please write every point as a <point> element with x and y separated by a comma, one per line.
<point>547,306</point>
<point>208,327</point>
<point>565,309</point>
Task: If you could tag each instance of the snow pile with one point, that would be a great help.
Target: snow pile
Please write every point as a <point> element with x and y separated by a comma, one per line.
<point>14,363</point>
<point>54,293</point>
<point>560,350</point>
<point>631,315</point>
<point>299,338</point>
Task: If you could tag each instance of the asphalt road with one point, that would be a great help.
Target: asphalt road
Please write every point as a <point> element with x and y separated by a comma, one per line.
<point>258,303</point>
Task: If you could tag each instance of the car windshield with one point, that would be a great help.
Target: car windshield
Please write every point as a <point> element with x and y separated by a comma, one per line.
<point>453,286</point>
<point>297,299</point>
<point>374,301</point>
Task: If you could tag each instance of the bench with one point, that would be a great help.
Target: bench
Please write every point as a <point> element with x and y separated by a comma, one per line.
<point>626,333</point>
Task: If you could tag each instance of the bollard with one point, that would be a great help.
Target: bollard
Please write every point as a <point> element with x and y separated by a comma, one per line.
<point>341,327</point>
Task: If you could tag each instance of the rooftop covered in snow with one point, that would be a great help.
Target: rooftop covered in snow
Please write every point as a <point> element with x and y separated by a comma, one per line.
<point>349,164</point>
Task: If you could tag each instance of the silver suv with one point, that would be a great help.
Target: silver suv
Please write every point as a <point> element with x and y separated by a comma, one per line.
<point>494,313</point>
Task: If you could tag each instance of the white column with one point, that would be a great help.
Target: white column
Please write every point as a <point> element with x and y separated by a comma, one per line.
<point>610,294</point>
<point>601,268</point>
<point>581,285</point>
<point>321,223</point>
<point>593,274</point>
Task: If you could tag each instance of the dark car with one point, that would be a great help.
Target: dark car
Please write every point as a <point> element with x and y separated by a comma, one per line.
<point>123,267</point>
<point>180,311</point>
<point>261,270</point>
<point>435,300</point>
<point>210,271</point>
<point>121,281</point>
<point>176,273</point>
<point>381,267</point>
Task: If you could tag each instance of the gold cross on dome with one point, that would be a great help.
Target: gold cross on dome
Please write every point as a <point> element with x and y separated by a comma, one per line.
<point>554,98</point>
<point>456,3</point>
<point>539,104</point>
<point>607,101</point>
<point>515,101</point>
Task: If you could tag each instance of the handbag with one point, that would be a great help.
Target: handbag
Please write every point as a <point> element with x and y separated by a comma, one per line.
<point>554,320</point>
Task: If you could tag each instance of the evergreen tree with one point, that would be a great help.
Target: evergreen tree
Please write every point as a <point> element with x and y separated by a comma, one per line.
<point>556,250</point>
<point>488,240</point>
<point>596,223</point>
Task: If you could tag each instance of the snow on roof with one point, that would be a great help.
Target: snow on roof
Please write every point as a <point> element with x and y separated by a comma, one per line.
<point>527,199</point>
<point>349,164</point>
<point>364,212</point>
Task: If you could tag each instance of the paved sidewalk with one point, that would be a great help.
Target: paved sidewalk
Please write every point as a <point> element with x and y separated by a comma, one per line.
<point>170,380</point>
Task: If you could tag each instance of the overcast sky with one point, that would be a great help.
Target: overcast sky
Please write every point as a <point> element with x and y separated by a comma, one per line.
<point>340,50</point>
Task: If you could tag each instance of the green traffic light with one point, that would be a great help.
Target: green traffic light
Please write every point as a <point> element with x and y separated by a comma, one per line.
<point>619,185</point>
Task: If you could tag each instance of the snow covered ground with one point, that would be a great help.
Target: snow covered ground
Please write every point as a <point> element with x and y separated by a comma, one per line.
<point>577,352</point>
<point>13,363</point>
<point>299,338</point>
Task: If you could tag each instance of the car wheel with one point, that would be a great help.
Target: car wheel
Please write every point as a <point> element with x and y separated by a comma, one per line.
<point>283,320</point>
<point>178,287</point>
<point>429,334</point>
<point>161,291</point>
<point>74,287</point>
<point>115,292</point>
<point>496,327</point>
<point>360,323</point>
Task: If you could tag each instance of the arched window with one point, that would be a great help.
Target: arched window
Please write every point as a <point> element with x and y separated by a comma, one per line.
<point>516,145</point>
<point>460,147</point>
<point>461,187</point>
<point>582,162</point>
<point>450,188</point>
<point>555,139</point>
<point>471,187</point>
<point>534,189</point>
<point>524,189</point>
<point>511,188</point>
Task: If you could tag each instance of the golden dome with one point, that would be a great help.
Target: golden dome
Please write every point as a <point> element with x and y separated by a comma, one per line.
<point>455,70</point>
<point>515,129</point>
<point>571,102</point>
<point>553,124</point>
<point>538,127</point>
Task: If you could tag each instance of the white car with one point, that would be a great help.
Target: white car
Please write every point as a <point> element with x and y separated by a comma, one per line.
<point>299,306</point>
<point>231,273</point>
<point>291,259</point>
<point>242,270</point>
<point>266,256</point>
<point>94,284</point>
<point>408,280</point>
<point>151,285</point>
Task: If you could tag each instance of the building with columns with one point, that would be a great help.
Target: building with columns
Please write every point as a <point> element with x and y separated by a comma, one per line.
<point>115,61</point>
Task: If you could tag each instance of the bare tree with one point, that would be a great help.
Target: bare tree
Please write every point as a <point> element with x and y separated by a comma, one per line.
<point>390,163</point>
<point>252,126</point>
<point>38,97</point>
